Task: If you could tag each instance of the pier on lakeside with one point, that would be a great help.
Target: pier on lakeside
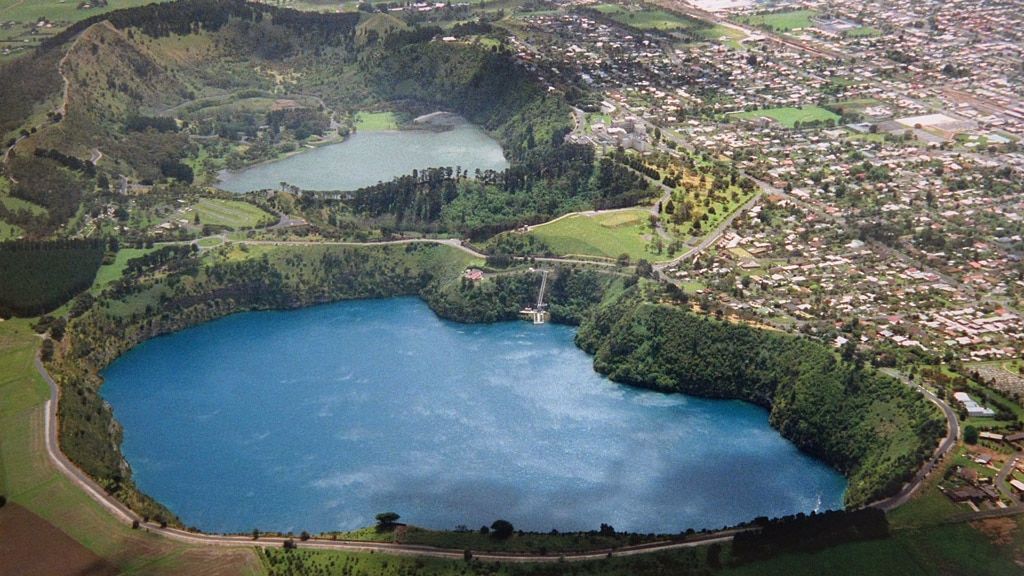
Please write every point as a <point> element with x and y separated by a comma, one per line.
<point>539,313</point>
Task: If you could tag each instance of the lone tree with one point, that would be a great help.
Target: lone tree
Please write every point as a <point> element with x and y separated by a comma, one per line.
<point>386,520</point>
<point>970,435</point>
<point>502,529</point>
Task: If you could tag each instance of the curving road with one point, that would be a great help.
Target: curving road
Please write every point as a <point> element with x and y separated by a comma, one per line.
<point>127,516</point>
<point>947,444</point>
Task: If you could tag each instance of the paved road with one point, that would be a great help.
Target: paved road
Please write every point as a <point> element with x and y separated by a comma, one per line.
<point>947,444</point>
<point>79,478</point>
<point>1004,473</point>
<point>710,238</point>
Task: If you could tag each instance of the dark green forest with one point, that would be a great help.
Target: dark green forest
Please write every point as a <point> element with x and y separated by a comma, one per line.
<point>36,277</point>
<point>843,413</point>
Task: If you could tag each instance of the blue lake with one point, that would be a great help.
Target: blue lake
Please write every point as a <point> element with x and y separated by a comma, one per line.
<point>318,419</point>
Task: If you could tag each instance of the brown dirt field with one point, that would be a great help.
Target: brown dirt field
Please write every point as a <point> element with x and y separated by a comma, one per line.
<point>30,545</point>
<point>1000,530</point>
<point>213,562</point>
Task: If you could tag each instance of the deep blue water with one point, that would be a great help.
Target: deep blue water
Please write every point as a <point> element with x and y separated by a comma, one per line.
<point>318,419</point>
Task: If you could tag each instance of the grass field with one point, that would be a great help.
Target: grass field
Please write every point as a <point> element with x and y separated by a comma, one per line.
<point>16,204</point>
<point>315,5</point>
<point>595,118</point>
<point>646,19</point>
<point>232,213</point>
<point>605,235</point>
<point>375,121</point>
<point>788,117</point>
<point>782,21</point>
<point>210,242</point>
<point>10,232</point>
<point>28,478</point>
<point>25,14</point>
<point>227,105</point>
<point>864,32</point>
<point>111,272</point>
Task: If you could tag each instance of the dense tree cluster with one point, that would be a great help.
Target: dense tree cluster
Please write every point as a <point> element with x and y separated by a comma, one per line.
<point>618,184</point>
<point>36,277</point>
<point>841,412</point>
<point>44,182</point>
<point>573,294</point>
<point>500,298</point>
<point>185,17</point>
<point>302,122</point>
<point>70,162</point>
<point>809,533</point>
<point>142,123</point>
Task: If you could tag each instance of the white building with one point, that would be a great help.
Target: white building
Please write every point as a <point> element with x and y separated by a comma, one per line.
<point>973,408</point>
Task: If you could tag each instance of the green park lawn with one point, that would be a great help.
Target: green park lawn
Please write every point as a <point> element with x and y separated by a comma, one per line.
<point>864,32</point>
<point>231,213</point>
<point>375,121</point>
<point>15,204</point>
<point>788,117</point>
<point>782,21</point>
<point>646,19</point>
<point>607,235</point>
<point>111,272</point>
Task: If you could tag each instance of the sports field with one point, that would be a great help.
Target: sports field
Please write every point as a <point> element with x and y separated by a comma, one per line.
<point>231,213</point>
<point>782,21</point>
<point>788,117</point>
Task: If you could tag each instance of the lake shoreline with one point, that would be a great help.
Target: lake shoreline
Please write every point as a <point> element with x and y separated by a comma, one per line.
<point>366,158</point>
<point>241,323</point>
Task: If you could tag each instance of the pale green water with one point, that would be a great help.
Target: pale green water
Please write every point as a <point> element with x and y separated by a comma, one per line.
<point>367,158</point>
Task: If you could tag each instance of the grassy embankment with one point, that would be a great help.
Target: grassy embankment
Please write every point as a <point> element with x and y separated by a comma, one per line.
<point>375,121</point>
<point>603,235</point>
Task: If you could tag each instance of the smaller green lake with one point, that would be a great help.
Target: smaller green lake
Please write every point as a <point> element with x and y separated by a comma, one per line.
<point>367,158</point>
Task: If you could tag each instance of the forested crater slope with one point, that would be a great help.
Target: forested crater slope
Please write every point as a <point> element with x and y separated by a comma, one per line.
<point>870,427</point>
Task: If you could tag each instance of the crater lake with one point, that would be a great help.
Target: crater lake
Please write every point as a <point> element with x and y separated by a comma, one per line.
<point>318,419</point>
<point>365,158</point>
